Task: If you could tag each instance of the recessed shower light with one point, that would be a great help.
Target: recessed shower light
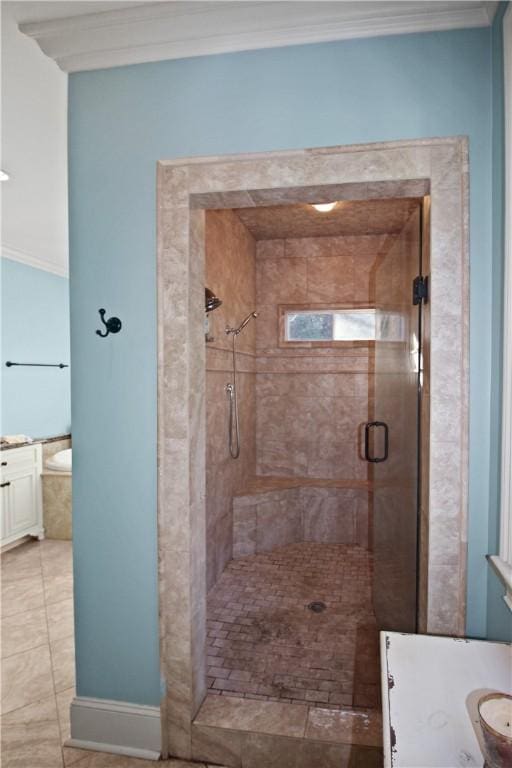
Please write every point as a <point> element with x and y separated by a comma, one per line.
<point>324,207</point>
<point>4,176</point>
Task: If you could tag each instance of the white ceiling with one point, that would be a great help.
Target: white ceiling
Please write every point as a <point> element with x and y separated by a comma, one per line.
<point>92,35</point>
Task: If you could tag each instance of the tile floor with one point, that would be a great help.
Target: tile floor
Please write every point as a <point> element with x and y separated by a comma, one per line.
<point>38,673</point>
<point>264,643</point>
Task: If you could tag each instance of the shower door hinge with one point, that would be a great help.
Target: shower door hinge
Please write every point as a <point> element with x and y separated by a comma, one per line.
<point>419,290</point>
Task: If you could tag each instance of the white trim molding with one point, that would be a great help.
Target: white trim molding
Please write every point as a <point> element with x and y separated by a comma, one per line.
<point>490,9</point>
<point>175,30</point>
<point>115,726</point>
<point>503,563</point>
<point>23,257</point>
<point>504,572</point>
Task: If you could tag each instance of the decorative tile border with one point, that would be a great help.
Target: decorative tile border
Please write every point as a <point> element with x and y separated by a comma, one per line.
<point>185,189</point>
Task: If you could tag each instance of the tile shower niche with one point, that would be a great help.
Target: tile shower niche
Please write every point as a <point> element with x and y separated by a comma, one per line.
<point>279,567</point>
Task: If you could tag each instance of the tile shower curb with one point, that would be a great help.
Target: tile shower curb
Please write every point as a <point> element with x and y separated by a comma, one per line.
<point>185,189</point>
<point>229,729</point>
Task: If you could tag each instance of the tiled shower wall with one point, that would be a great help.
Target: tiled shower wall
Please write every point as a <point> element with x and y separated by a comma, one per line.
<point>312,403</point>
<point>230,274</point>
<point>302,411</point>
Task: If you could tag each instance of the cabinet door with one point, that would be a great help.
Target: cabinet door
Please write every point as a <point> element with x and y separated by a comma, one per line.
<point>4,511</point>
<point>22,501</point>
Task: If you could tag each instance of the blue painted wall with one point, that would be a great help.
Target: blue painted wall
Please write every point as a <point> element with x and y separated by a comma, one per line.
<point>121,122</point>
<point>35,328</point>
<point>499,618</point>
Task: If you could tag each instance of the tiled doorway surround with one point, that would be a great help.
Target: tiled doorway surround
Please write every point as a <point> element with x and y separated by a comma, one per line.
<point>186,188</point>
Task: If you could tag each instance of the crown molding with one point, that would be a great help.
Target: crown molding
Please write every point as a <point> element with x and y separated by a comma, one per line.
<point>24,257</point>
<point>173,30</point>
<point>490,9</point>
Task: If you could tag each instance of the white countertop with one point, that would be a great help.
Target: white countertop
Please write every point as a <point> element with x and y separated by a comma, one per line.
<point>430,689</point>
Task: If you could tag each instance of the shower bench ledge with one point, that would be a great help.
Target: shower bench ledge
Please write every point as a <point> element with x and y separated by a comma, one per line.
<point>273,512</point>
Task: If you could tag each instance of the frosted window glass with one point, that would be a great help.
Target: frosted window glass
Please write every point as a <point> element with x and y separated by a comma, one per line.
<point>309,326</point>
<point>342,325</point>
<point>354,325</point>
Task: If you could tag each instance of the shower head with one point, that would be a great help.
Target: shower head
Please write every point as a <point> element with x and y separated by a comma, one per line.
<point>242,325</point>
<point>211,301</point>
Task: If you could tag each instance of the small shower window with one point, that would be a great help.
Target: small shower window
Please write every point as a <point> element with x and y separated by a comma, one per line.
<point>327,325</point>
<point>310,326</point>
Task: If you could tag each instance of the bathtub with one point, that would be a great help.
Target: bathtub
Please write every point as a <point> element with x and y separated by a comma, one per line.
<point>56,482</point>
<point>60,462</point>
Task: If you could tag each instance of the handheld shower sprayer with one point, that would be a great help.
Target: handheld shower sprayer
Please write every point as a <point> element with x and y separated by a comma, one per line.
<point>242,325</point>
<point>231,390</point>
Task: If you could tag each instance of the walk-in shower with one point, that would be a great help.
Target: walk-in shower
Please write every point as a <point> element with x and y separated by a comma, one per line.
<point>307,517</point>
<point>301,517</point>
<point>231,389</point>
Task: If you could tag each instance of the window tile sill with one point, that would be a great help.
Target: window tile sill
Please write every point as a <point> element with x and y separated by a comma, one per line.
<point>504,572</point>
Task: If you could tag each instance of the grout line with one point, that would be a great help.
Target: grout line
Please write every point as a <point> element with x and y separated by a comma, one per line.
<point>28,704</point>
<point>42,607</point>
<point>26,650</point>
<point>55,692</point>
<point>27,610</point>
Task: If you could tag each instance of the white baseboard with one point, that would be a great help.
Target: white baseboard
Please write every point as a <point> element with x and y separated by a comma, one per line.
<point>115,726</point>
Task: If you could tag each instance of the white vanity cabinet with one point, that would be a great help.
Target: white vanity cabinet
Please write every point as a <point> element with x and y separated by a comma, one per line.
<point>430,691</point>
<point>20,485</point>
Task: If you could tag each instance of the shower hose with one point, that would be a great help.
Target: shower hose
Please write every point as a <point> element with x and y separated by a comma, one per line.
<point>234,426</point>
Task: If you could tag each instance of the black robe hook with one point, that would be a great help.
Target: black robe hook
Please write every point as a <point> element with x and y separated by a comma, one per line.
<point>113,324</point>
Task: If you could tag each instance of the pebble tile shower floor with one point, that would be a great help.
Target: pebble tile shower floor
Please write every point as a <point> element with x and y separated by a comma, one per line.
<point>264,642</point>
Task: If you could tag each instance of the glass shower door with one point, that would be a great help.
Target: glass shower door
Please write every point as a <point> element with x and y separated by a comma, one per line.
<point>392,435</point>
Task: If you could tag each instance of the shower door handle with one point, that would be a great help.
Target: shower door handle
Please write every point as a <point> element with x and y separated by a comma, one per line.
<point>367,428</point>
